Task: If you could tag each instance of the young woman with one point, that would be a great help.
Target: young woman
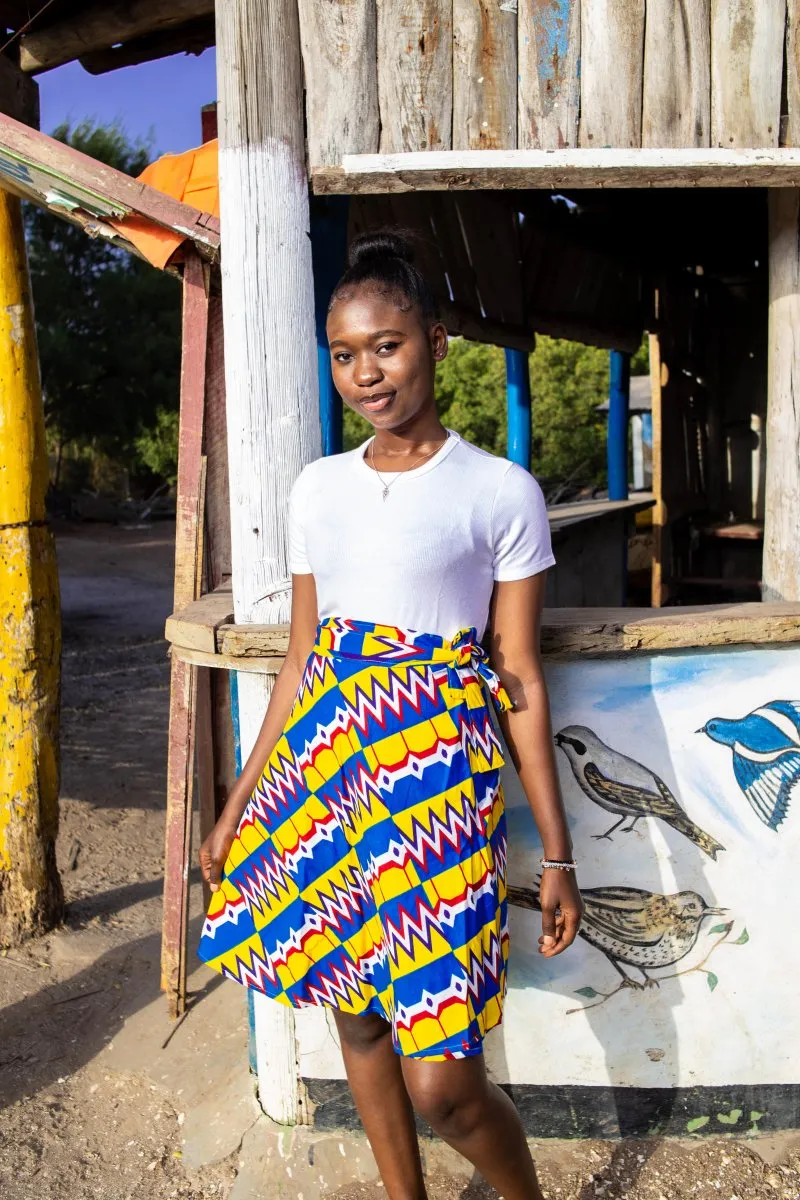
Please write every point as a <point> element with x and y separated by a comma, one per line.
<point>360,859</point>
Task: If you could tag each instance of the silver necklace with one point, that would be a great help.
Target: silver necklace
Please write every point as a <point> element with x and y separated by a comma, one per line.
<point>416,463</point>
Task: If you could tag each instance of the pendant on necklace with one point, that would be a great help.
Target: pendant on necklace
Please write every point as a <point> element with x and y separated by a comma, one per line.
<point>385,492</point>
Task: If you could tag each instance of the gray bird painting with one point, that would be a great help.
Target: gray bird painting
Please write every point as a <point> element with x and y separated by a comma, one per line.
<point>625,787</point>
<point>641,929</point>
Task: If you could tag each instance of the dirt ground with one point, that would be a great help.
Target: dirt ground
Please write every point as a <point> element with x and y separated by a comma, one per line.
<point>70,1128</point>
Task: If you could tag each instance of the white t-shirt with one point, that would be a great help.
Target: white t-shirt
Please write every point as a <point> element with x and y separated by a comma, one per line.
<point>427,557</point>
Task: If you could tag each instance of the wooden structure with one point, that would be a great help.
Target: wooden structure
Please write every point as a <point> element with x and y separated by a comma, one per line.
<point>563,163</point>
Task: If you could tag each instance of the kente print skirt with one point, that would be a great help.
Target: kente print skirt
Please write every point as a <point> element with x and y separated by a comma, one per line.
<point>368,872</point>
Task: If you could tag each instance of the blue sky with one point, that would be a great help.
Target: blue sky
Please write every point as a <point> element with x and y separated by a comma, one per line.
<point>160,99</point>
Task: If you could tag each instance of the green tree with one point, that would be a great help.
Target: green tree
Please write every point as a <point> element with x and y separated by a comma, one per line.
<point>471,393</point>
<point>108,324</point>
<point>568,381</point>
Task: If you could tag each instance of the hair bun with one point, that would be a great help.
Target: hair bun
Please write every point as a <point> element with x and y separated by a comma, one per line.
<point>379,246</point>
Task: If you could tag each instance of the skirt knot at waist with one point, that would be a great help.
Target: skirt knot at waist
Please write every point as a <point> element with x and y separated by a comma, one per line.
<point>347,638</point>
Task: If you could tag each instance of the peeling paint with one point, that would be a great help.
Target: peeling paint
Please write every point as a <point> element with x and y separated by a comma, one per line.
<point>16,314</point>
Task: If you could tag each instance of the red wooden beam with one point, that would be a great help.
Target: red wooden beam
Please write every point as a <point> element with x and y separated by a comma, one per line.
<point>183,679</point>
<point>84,178</point>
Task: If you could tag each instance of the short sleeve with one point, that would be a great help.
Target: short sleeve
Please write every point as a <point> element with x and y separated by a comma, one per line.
<point>520,528</point>
<point>298,558</point>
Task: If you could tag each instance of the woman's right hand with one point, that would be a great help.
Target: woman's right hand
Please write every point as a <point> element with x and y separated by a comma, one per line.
<point>214,851</point>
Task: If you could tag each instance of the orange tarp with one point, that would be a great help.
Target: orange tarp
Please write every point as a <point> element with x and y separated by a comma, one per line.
<point>191,177</point>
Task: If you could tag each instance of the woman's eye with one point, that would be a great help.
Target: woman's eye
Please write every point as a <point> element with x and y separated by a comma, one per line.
<point>387,346</point>
<point>342,357</point>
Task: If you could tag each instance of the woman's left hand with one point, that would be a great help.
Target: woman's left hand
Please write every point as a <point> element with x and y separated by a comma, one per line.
<point>562,909</point>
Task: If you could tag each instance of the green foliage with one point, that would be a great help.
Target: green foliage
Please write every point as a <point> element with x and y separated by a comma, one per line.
<point>568,381</point>
<point>640,361</point>
<point>471,393</point>
<point>108,326</point>
<point>157,447</point>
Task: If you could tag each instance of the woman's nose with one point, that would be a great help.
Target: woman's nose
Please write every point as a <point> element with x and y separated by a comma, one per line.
<point>367,371</point>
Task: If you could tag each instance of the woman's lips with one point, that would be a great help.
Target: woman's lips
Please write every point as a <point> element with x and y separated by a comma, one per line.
<point>377,402</point>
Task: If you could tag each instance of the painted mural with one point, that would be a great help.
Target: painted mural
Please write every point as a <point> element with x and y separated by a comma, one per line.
<point>681,777</point>
<point>678,773</point>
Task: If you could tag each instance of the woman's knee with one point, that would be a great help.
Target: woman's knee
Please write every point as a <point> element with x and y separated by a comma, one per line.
<point>453,1107</point>
<point>361,1033</point>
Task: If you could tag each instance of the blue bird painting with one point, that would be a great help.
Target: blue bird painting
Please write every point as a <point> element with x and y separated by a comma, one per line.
<point>766,755</point>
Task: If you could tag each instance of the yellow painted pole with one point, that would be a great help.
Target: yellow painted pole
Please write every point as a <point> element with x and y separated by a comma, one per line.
<point>30,627</point>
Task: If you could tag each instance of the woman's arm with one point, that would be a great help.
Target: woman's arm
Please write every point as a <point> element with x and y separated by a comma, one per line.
<point>215,848</point>
<point>515,623</point>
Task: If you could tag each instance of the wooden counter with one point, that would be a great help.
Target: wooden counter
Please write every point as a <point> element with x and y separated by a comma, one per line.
<point>205,633</point>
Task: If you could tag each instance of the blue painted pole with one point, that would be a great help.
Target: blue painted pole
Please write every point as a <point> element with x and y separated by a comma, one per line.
<point>518,399</point>
<point>328,254</point>
<point>619,391</point>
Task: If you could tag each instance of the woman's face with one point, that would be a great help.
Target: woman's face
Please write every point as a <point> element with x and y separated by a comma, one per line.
<point>383,357</point>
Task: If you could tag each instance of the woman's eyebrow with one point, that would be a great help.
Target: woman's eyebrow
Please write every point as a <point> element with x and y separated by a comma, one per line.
<point>373,336</point>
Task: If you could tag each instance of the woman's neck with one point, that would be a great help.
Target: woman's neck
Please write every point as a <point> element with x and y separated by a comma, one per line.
<point>419,435</point>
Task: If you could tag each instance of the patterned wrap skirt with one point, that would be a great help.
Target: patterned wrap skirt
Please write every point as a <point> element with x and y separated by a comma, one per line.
<point>368,873</point>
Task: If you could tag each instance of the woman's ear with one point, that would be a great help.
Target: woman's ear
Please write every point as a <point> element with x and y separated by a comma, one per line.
<point>439,342</point>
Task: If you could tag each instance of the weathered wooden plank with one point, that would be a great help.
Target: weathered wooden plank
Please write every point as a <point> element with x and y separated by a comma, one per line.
<point>657,585</point>
<point>183,678</point>
<point>195,625</point>
<point>101,25</point>
<point>340,57</point>
<point>548,49</point>
<point>792,132</point>
<point>204,754</point>
<point>449,237</point>
<point>484,75</point>
<point>586,630</point>
<point>188,545</point>
<point>253,665</point>
<point>676,108</point>
<point>218,505</point>
<point>612,60</point>
<point>192,38</point>
<point>747,42</point>
<point>245,640</point>
<point>178,833</point>
<point>467,170</point>
<point>415,74</point>
<point>491,233</point>
<point>781,569</point>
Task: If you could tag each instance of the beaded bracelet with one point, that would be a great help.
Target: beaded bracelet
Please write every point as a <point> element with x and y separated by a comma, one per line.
<point>557,865</point>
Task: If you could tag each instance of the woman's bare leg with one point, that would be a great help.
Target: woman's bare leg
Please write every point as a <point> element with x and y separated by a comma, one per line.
<point>477,1119</point>
<point>376,1081</point>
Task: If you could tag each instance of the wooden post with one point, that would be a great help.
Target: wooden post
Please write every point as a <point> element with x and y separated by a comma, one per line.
<point>31,899</point>
<point>30,630</point>
<point>183,677</point>
<point>658,591</point>
<point>518,401</point>
<point>270,368</point>
<point>781,567</point>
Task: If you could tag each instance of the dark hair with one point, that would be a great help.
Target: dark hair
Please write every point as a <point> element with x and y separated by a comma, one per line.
<point>385,258</point>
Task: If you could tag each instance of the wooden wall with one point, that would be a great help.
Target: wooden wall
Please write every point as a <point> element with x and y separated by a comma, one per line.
<point>406,75</point>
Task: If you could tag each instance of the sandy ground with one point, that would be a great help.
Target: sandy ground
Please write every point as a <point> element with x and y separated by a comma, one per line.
<point>79,1120</point>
